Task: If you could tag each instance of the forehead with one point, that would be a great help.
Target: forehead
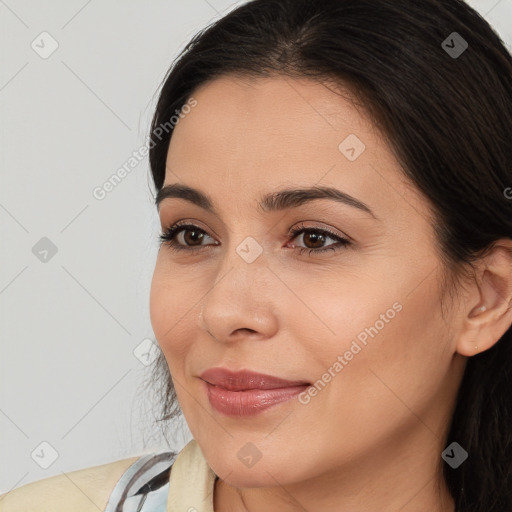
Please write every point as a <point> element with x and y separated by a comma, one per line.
<point>267,112</point>
<point>250,136</point>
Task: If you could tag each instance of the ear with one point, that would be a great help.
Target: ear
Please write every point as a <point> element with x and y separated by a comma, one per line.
<point>488,306</point>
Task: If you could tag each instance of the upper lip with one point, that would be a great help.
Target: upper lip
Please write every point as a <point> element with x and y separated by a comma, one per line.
<point>246,379</point>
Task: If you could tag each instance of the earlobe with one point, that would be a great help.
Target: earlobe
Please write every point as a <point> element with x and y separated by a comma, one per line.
<point>491,316</point>
<point>478,310</point>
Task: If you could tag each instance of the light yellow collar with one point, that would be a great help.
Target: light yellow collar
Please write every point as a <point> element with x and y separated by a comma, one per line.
<point>191,482</point>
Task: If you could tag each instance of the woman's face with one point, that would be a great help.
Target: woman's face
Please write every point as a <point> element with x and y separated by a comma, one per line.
<point>361,322</point>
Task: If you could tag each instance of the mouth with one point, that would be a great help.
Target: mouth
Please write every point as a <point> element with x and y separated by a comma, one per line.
<point>246,393</point>
<point>244,380</point>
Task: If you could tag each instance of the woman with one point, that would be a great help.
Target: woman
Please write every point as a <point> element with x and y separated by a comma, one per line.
<point>333,289</point>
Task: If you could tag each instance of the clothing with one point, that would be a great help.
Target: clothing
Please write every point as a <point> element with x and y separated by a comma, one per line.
<point>144,486</point>
<point>192,482</point>
<point>163,482</point>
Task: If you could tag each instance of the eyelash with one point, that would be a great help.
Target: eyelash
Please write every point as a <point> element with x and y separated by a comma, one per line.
<point>169,235</point>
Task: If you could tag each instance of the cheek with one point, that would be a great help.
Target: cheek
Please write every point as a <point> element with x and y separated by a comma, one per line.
<point>172,314</point>
<point>394,360</point>
<point>374,322</point>
<point>332,311</point>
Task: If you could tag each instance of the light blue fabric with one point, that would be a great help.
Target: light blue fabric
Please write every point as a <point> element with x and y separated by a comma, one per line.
<point>155,501</point>
<point>143,471</point>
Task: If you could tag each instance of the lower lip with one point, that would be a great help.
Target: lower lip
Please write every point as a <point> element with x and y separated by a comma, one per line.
<point>249,402</point>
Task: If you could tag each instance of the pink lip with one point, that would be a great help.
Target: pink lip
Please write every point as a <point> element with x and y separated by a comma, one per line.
<point>246,393</point>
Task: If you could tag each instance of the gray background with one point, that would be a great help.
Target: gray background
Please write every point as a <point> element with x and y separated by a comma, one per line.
<point>71,321</point>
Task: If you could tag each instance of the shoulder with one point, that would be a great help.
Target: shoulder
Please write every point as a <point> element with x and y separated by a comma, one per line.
<point>83,490</point>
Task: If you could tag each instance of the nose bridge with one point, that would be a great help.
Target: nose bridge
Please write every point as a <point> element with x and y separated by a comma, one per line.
<point>239,297</point>
<point>244,261</point>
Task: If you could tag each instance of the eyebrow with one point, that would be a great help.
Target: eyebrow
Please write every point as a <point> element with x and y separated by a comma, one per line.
<point>274,201</point>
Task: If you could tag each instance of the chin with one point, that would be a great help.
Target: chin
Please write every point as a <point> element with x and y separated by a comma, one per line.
<point>254,477</point>
<point>268,471</point>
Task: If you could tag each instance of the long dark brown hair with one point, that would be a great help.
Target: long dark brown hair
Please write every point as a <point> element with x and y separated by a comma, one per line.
<point>444,103</point>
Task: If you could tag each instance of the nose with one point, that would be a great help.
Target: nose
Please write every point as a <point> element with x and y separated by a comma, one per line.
<point>241,302</point>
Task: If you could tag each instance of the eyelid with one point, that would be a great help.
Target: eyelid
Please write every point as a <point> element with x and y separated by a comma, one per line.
<point>318,227</point>
<point>189,221</point>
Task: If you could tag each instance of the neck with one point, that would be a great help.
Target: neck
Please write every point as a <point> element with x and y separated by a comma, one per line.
<point>396,476</point>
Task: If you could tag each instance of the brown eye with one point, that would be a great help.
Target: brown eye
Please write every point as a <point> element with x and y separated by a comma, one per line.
<point>184,236</point>
<point>314,239</point>
<point>191,237</point>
